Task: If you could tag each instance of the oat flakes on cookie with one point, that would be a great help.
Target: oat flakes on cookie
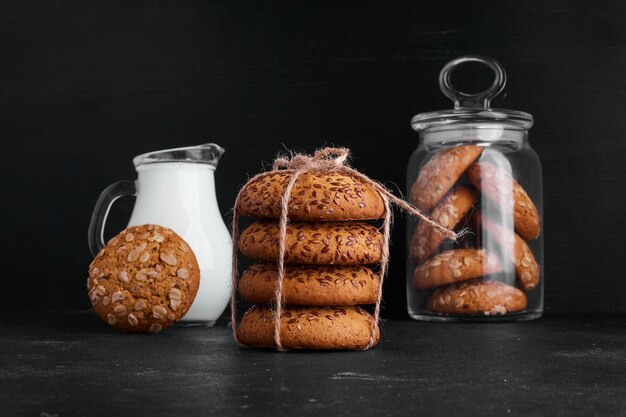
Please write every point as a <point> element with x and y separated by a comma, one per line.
<point>144,279</point>
<point>449,212</point>
<point>516,248</point>
<point>497,184</point>
<point>454,266</point>
<point>440,173</point>
<point>489,298</point>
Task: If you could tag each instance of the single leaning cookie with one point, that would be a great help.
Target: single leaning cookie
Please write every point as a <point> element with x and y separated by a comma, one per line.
<point>311,285</point>
<point>453,266</point>
<point>477,297</point>
<point>315,196</point>
<point>144,279</point>
<point>526,267</point>
<point>448,212</point>
<point>497,184</point>
<point>440,173</point>
<point>322,243</point>
<point>309,328</point>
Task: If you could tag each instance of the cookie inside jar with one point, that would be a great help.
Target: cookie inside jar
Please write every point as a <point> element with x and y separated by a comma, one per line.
<point>475,172</point>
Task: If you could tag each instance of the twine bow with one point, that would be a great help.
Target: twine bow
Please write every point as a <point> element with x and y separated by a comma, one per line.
<point>327,159</point>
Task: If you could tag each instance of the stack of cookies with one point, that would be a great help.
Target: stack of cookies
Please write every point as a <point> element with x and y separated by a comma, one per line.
<point>471,278</point>
<point>330,247</point>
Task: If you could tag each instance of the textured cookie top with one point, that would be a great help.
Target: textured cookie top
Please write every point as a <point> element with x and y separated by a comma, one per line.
<point>455,265</point>
<point>320,243</point>
<point>489,298</point>
<point>526,266</point>
<point>448,212</point>
<point>345,327</point>
<point>501,188</point>
<point>316,196</point>
<point>313,285</point>
<point>440,173</point>
<point>144,279</point>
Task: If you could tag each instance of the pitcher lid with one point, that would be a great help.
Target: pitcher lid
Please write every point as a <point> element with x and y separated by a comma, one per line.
<point>207,153</point>
<point>472,108</point>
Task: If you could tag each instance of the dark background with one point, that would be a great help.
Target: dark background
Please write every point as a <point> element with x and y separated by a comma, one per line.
<point>86,85</point>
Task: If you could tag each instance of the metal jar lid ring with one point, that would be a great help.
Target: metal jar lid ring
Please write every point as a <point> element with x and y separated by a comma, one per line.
<point>481,99</point>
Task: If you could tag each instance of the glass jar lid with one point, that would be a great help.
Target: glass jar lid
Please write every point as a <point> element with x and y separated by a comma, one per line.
<point>472,108</point>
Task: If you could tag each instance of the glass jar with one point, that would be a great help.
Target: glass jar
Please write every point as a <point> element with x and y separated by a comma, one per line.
<point>475,172</point>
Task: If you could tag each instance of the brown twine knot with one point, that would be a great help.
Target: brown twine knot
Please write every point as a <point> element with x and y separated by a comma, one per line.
<point>327,159</point>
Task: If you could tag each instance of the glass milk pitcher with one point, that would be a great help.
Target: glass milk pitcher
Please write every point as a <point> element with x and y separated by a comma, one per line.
<point>175,188</point>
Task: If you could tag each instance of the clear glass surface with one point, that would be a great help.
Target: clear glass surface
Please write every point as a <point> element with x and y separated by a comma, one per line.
<point>208,153</point>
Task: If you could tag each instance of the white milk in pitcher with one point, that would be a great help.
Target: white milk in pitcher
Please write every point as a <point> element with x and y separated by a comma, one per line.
<point>181,196</point>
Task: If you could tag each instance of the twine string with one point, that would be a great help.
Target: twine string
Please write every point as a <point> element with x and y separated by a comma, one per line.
<point>284,221</point>
<point>327,159</point>
<point>384,262</point>
<point>233,268</point>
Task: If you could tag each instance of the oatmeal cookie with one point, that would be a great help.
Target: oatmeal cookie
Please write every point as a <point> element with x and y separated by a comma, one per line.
<point>340,327</point>
<point>144,279</point>
<point>440,173</point>
<point>319,243</point>
<point>313,285</point>
<point>449,212</point>
<point>316,196</point>
<point>489,298</point>
<point>453,266</point>
<point>500,187</point>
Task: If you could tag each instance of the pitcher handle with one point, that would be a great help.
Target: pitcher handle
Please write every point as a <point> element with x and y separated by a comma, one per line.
<point>101,212</point>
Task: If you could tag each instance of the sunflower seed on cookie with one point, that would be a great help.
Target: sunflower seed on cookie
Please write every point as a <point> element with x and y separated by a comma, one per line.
<point>317,243</point>
<point>315,196</point>
<point>339,327</point>
<point>313,285</point>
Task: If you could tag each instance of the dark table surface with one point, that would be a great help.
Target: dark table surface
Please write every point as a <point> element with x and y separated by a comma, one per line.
<point>71,364</point>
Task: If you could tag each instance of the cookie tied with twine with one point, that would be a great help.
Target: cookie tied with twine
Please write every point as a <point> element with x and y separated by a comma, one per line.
<point>327,160</point>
